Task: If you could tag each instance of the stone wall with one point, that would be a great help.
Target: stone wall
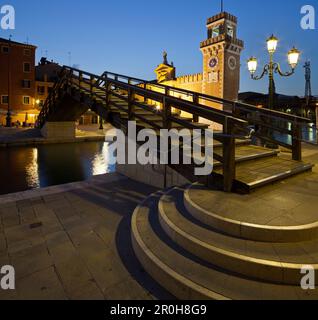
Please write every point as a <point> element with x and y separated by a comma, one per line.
<point>59,130</point>
<point>153,175</point>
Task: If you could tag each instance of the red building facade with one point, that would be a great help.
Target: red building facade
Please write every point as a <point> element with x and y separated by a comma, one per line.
<point>17,80</point>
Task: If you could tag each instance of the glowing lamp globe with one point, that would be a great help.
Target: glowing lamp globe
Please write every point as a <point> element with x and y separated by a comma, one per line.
<point>252,65</point>
<point>272,43</point>
<point>293,57</point>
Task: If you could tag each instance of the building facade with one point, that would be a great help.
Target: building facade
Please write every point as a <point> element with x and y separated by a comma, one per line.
<point>17,80</point>
<point>24,86</point>
<point>46,74</point>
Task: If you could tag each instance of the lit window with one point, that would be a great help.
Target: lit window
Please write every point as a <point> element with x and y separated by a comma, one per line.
<point>26,67</point>
<point>230,31</point>
<point>4,99</point>
<point>215,31</point>
<point>26,100</point>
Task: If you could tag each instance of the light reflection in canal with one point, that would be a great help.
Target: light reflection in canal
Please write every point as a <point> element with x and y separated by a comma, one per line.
<point>309,134</point>
<point>24,168</point>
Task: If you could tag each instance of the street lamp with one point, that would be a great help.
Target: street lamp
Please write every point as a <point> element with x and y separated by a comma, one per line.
<point>273,67</point>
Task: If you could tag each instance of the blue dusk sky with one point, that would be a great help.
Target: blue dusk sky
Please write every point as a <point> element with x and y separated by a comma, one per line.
<point>129,36</point>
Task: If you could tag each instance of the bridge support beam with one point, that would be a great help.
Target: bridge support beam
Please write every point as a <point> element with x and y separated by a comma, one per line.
<point>59,130</point>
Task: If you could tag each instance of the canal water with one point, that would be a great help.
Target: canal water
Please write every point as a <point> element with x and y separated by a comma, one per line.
<point>24,168</point>
<point>309,134</point>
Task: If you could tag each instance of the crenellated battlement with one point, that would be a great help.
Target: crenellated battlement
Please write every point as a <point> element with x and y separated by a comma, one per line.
<point>190,78</point>
<point>222,15</point>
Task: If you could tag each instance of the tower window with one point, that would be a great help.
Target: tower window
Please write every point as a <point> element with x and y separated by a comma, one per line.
<point>213,77</point>
<point>215,31</point>
<point>230,31</point>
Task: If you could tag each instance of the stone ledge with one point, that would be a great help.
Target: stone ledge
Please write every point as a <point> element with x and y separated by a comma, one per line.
<point>251,231</point>
<point>29,194</point>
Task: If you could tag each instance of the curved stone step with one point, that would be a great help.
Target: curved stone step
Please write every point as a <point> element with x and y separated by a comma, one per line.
<point>190,279</point>
<point>241,229</point>
<point>262,261</point>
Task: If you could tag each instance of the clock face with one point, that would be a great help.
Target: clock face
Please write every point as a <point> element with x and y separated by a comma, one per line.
<point>214,61</point>
<point>232,62</point>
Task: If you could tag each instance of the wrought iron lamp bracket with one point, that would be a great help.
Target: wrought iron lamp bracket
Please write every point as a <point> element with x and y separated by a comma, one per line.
<point>277,69</point>
<point>265,72</point>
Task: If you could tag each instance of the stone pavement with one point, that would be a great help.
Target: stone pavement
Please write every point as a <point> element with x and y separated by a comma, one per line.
<point>73,242</point>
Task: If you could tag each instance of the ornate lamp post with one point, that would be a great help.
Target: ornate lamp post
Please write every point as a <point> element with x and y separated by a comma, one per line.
<point>273,67</point>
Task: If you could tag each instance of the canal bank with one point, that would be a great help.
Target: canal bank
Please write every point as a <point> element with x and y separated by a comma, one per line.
<point>19,137</point>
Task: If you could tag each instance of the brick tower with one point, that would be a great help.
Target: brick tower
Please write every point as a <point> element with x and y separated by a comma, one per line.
<point>221,57</point>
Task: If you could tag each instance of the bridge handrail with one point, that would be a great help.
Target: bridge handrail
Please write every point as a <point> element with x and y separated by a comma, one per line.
<point>98,87</point>
<point>50,98</point>
<point>234,104</point>
<point>295,131</point>
<point>218,116</point>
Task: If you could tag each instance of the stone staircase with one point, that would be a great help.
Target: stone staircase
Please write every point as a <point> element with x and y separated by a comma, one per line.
<point>198,253</point>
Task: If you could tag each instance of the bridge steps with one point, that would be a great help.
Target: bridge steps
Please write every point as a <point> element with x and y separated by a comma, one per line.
<point>193,260</point>
<point>120,106</point>
<point>256,166</point>
<point>258,172</point>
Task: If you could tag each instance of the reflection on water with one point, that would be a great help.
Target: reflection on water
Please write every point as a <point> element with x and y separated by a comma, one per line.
<point>32,170</point>
<point>309,134</point>
<point>34,167</point>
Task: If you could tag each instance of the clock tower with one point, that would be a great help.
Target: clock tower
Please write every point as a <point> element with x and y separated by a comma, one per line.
<point>221,57</point>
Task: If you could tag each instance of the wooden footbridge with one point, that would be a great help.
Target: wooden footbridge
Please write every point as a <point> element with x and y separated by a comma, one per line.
<point>238,164</point>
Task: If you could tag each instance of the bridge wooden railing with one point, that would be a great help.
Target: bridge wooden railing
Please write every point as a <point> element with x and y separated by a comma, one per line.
<point>270,123</point>
<point>137,92</point>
